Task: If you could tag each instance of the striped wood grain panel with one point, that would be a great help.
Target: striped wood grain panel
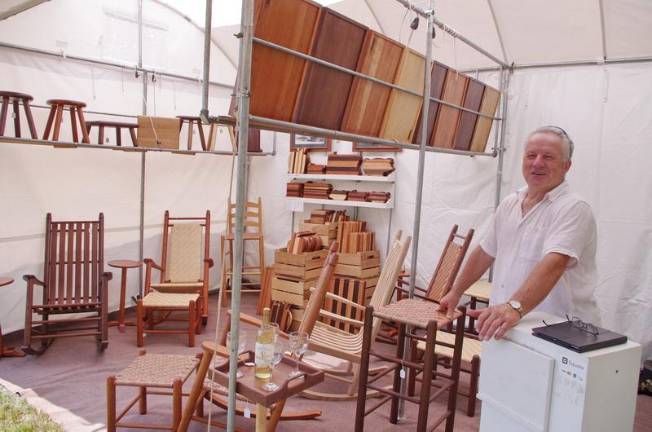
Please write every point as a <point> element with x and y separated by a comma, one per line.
<point>350,289</point>
<point>483,125</point>
<point>276,76</point>
<point>324,91</point>
<point>448,117</point>
<point>437,78</point>
<point>365,108</point>
<point>403,109</point>
<point>466,126</point>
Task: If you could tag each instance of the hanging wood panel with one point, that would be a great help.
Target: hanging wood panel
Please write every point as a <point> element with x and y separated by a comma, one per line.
<point>402,113</point>
<point>488,106</point>
<point>465,128</point>
<point>448,117</point>
<point>437,78</point>
<point>367,101</point>
<point>324,91</point>
<point>276,76</point>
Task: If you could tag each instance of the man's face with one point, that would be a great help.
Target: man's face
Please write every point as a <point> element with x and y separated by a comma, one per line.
<point>544,164</point>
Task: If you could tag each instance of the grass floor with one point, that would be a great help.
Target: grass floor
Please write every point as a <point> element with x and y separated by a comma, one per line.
<point>16,415</point>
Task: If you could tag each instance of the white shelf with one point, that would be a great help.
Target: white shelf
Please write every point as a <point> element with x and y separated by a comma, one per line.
<point>388,205</point>
<point>361,178</point>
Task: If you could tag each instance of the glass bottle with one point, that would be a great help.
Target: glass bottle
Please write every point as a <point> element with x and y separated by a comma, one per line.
<point>264,347</point>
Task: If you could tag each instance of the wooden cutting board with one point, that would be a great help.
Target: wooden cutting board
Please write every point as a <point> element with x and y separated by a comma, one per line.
<point>437,78</point>
<point>367,101</point>
<point>402,113</point>
<point>465,128</point>
<point>158,132</point>
<point>448,117</point>
<point>276,76</point>
<point>324,91</point>
<point>488,106</point>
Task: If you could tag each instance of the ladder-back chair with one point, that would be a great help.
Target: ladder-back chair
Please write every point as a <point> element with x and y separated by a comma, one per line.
<point>253,231</point>
<point>74,282</point>
<point>184,277</point>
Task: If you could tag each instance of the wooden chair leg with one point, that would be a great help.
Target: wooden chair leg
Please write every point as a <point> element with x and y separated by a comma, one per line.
<point>100,136</point>
<point>176,403</point>
<point>73,124</point>
<point>199,322</point>
<point>142,400</point>
<point>110,404</point>
<point>3,114</point>
<point>473,385</point>
<point>16,119</point>
<point>30,119</point>
<point>82,123</point>
<point>192,323</point>
<point>57,123</point>
<point>202,138</point>
<point>48,124</point>
<point>134,140</point>
<point>118,136</point>
<point>139,323</point>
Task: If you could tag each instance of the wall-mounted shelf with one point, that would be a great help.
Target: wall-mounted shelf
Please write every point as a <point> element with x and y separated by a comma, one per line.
<point>365,204</point>
<point>338,177</point>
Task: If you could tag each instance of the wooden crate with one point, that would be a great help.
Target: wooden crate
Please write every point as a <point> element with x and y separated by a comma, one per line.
<point>329,230</point>
<point>356,271</point>
<point>292,287</point>
<point>308,260</point>
<point>296,272</point>
<point>289,298</point>
<point>361,259</point>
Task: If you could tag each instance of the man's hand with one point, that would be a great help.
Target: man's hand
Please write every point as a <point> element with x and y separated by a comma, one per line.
<point>448,303</point>
<point>494,320</point>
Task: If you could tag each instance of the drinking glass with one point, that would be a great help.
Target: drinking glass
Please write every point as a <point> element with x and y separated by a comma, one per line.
<point>276,359</point>
<point>242,346</point>
<point>298,346</point>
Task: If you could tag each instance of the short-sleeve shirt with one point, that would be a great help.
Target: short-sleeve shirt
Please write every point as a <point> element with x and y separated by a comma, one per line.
<point>561,222</point>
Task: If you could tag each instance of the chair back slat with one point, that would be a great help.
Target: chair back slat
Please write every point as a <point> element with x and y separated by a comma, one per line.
<point>185,253</point>
<point>350,289</point>
<point>316,300</point>
<point>449,265</point>
<point>73,262</point>
<point>253,222</point>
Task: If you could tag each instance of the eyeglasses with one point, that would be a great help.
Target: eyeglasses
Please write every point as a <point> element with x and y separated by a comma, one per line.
<point>580,325</point>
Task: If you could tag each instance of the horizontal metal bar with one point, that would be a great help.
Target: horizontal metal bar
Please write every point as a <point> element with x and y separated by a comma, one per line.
<point>69,144</point>
<point>135,68</point>
<point>361,75</point>
<point>630,60</point>
<point>282,126</point>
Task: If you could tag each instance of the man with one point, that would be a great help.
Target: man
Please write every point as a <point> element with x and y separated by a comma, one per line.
<point>543,241</point>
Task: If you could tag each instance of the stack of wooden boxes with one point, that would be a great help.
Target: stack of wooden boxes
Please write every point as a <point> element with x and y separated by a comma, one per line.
<point>358,258</point>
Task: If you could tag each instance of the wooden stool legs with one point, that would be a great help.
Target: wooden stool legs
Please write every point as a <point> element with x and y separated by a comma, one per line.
<point>17,99</point>
<point>56,115</point>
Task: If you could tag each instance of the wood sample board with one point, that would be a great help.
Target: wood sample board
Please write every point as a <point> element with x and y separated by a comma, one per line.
<point>158,132</point>
<point>448,117</point>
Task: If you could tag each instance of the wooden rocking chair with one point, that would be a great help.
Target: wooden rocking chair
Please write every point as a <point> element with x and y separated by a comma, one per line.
<point>74,282</point>
<point>183,283</point>
<point>331,340</point>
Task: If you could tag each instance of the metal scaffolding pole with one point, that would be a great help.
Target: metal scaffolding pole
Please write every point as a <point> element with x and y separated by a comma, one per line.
<point>244,72</point>
<point>141,225</point>
<point>207,62</point>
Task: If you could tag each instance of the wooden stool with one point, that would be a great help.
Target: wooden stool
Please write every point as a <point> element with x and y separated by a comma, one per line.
<point>15,99</point>
<point>101,124</point>
<point>160,371</point>
<point>192,120</point>
<point>56,112</point>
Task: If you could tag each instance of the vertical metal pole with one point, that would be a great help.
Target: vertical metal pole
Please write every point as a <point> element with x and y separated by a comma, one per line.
<point>244,72</point>
<point>207,61</point>
<point>141,237</point>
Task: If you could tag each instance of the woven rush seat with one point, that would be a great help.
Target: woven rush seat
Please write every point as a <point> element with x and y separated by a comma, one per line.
<point>177,286</point>
<point>470,347</point>
<point>157,370</point>
<point>173,300</point>
<point>414,312</point>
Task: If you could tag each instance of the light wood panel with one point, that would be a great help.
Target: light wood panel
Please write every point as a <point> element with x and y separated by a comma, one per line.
<point>158,132</point>
<point>488,106</point>
<point>276,76</point>
<point>367,101</point>
<point>448,117</point>
<point>465,128</point>
<point>402,113</point>
<point>324,91</point>
<point>437,78</point>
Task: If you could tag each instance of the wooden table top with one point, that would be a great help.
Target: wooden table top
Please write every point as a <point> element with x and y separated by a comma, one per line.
<point>5,281</point>
<point>481,290</point>
<point>124,263</point>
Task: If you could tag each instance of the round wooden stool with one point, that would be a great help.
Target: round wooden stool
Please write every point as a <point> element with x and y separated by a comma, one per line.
<point>118,126</point>
<point>15,98</point>
<point>56,113</point>
<point>192,120</point>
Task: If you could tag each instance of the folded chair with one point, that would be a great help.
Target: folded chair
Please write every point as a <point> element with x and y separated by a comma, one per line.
<point>74,282</point>
<point>183,282</point>
<point>331,340</point>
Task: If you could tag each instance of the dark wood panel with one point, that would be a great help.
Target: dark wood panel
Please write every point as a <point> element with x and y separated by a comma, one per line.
<point>448,117</point>
<point>465,128</point>
<point>324,91</point>
<point>437,78</point>
<point>402,113</point>
<point>367,101</point>
<point>276,76</point>
<point>489,104</point>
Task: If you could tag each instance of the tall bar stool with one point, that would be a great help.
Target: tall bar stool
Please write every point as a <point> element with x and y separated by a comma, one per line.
<point>192,120</point>
<point>15,99</point>
<point>118,126</point>
<point>56,112</point>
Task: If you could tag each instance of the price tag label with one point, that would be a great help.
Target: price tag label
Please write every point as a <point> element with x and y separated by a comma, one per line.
<point>402,374</point>
<point>247,412</point>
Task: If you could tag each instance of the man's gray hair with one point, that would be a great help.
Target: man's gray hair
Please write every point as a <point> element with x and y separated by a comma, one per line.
<point>565,139</point>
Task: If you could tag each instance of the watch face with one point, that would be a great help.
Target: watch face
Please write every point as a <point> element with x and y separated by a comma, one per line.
<point>515,304</point>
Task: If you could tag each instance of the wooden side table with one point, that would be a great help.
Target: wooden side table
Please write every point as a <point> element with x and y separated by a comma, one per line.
<point>7,351</point>
<point>124,265</point>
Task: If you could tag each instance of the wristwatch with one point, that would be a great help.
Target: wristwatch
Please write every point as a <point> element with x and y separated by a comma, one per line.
<point>516,305</point>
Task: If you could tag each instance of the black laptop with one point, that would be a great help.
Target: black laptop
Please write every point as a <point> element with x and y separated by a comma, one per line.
<point>577,339</point>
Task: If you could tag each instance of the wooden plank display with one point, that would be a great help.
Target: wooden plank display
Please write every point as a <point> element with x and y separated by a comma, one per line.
<point>158,132</point>
<point>483,125</point>
<point>448,117</point>
<point>367,101</point>
<point>437,78</point>
<point>324,91</point>
<point>402,113</point>
<point>465,128</point>
<point>276,76</point>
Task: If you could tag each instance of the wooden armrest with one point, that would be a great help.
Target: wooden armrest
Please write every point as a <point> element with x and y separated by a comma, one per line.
<point>107,276</point>
<point>256,322</point>
<point>209,261</point>
<point>151,263</point>
<point>340,318</point>
<point>343,300</point>
<point>31,279</point>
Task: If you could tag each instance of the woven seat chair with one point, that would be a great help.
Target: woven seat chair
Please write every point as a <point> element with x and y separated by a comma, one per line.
<point>183,282</point>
